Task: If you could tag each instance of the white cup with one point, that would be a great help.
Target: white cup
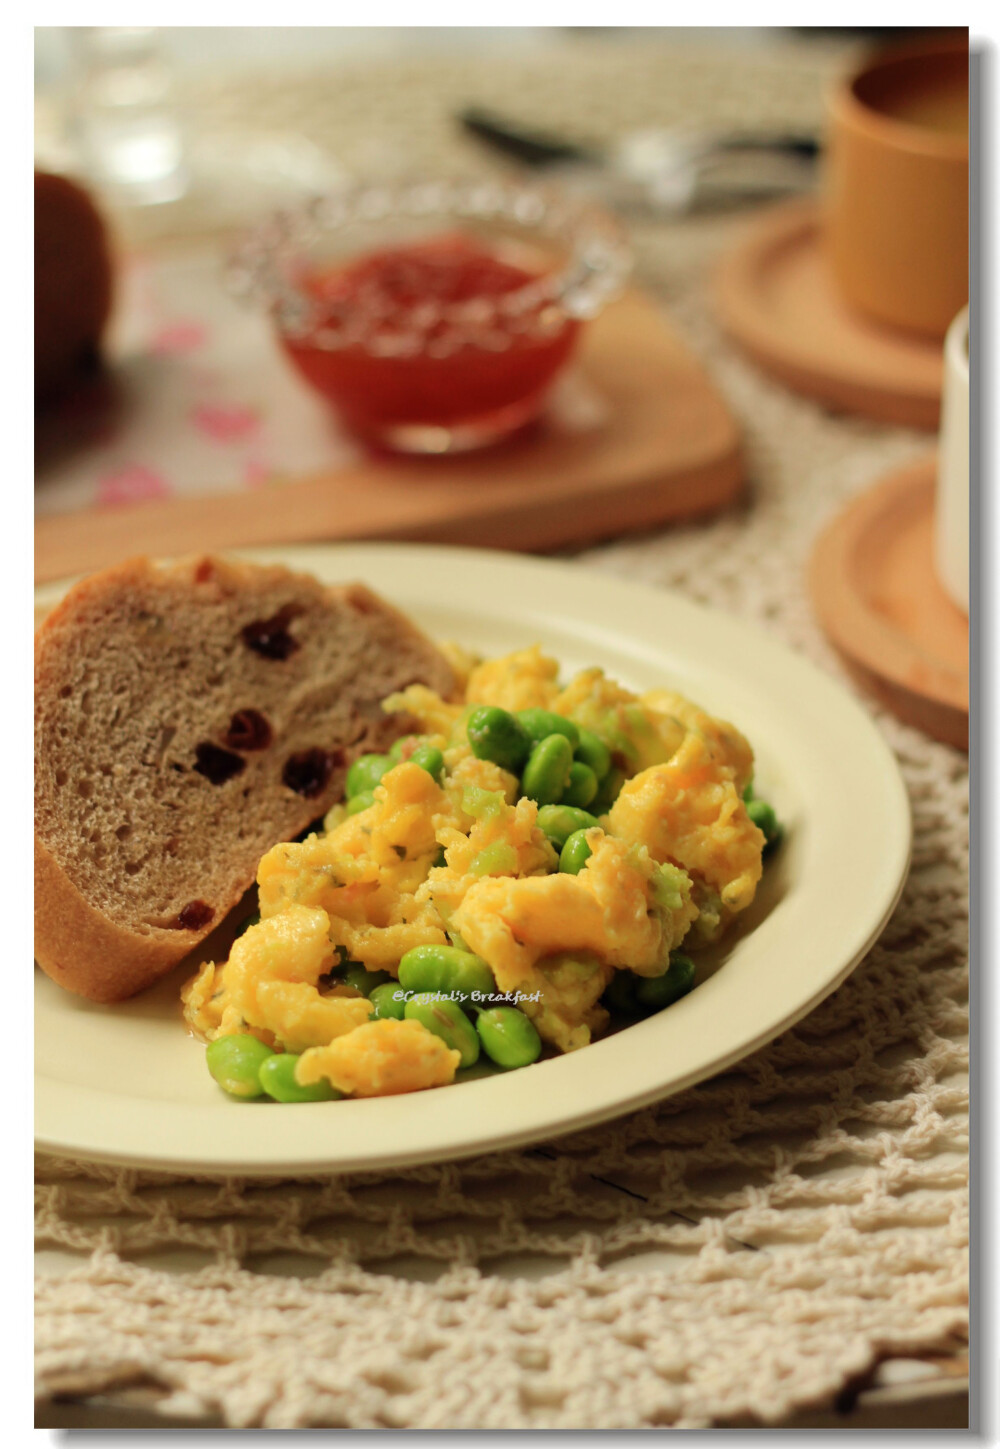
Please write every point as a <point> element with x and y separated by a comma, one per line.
<point>951,513</point>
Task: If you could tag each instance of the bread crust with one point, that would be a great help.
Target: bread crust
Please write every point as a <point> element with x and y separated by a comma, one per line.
<point>81,950</point>
<point>78,944</point>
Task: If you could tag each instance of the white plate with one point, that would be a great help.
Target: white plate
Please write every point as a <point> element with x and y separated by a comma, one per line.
<point>127,1084</point>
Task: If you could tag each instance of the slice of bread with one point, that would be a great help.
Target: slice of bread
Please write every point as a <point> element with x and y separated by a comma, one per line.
<point>188,718</point>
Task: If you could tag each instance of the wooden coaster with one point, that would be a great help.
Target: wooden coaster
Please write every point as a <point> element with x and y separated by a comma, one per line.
<point>668,447</point>
<point>878,598</point>
<point>776,298</point>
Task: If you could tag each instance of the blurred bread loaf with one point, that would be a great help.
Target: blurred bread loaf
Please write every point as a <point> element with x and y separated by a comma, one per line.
<point>187,719</point>
<point>73,281</point>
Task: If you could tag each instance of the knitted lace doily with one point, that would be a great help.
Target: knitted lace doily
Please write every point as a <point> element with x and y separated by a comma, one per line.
<point>746,1247</point>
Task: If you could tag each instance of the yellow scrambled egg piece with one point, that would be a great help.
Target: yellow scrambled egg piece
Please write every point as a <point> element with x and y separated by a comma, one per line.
<point>557,938</point>
<point>637,734</point>
<point>381,1059</point>
<point>435,715</point>
<point>724,744</point>
<point>270,983</point>
<point>464,861</point>
<point>524,680</point>
<point>366,871</point>
<point>688,811</point>
<point>605,909</point>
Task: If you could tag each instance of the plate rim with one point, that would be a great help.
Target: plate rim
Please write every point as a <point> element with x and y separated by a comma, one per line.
<point>48,1140</point>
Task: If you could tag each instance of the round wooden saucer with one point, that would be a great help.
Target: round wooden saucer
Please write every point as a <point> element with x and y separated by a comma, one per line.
<point>776,298</point>
<point>878,598</point>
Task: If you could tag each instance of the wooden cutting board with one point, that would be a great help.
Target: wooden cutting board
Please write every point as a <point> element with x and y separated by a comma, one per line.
<point>666,448</point>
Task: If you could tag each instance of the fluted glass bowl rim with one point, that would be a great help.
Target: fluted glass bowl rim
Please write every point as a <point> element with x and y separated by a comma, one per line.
<point>265,269</point>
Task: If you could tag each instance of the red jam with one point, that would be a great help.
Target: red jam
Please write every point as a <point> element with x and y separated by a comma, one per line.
<point>414,353</point>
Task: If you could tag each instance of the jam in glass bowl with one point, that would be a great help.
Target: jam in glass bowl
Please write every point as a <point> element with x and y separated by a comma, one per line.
<point>434,316</point>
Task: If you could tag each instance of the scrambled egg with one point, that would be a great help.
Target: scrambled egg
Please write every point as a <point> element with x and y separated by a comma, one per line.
<point>464,862</point>
<point>380,1059</point>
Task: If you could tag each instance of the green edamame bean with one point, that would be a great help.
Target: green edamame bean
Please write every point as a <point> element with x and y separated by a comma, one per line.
<point>540,723</point>
<point>764,818</point>
<point>581,787</point>
<point>447,1020</point>
<point>235,1062</point>
<point>497,735</point>
<point>357,803</point>
<point>619,994</point>
<point>575,853</point>
<point>353,973</point>
<point>253,920</point>
<point>365,774</point>
<point>591,750</point>
<point>653,993</point>
<point>547,772</point>
<point>446,969</point>
<point>508,1037</point>
<point>748,791</point>
<point>609,791</point>
<point>559,822</point>
<point>388,1001</point>
<point>277,1077</point>
<point>430,759</point>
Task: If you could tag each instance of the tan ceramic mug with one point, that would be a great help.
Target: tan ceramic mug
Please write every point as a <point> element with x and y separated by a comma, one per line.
<point>897,187</point>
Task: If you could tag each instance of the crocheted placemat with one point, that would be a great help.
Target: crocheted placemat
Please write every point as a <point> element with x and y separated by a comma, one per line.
<point>746,1247</point>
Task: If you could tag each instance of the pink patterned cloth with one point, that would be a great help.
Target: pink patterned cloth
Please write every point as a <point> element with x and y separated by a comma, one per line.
<point>198,399</point>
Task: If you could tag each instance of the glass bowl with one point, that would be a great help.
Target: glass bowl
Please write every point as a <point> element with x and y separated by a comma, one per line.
<point>434,316</point>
